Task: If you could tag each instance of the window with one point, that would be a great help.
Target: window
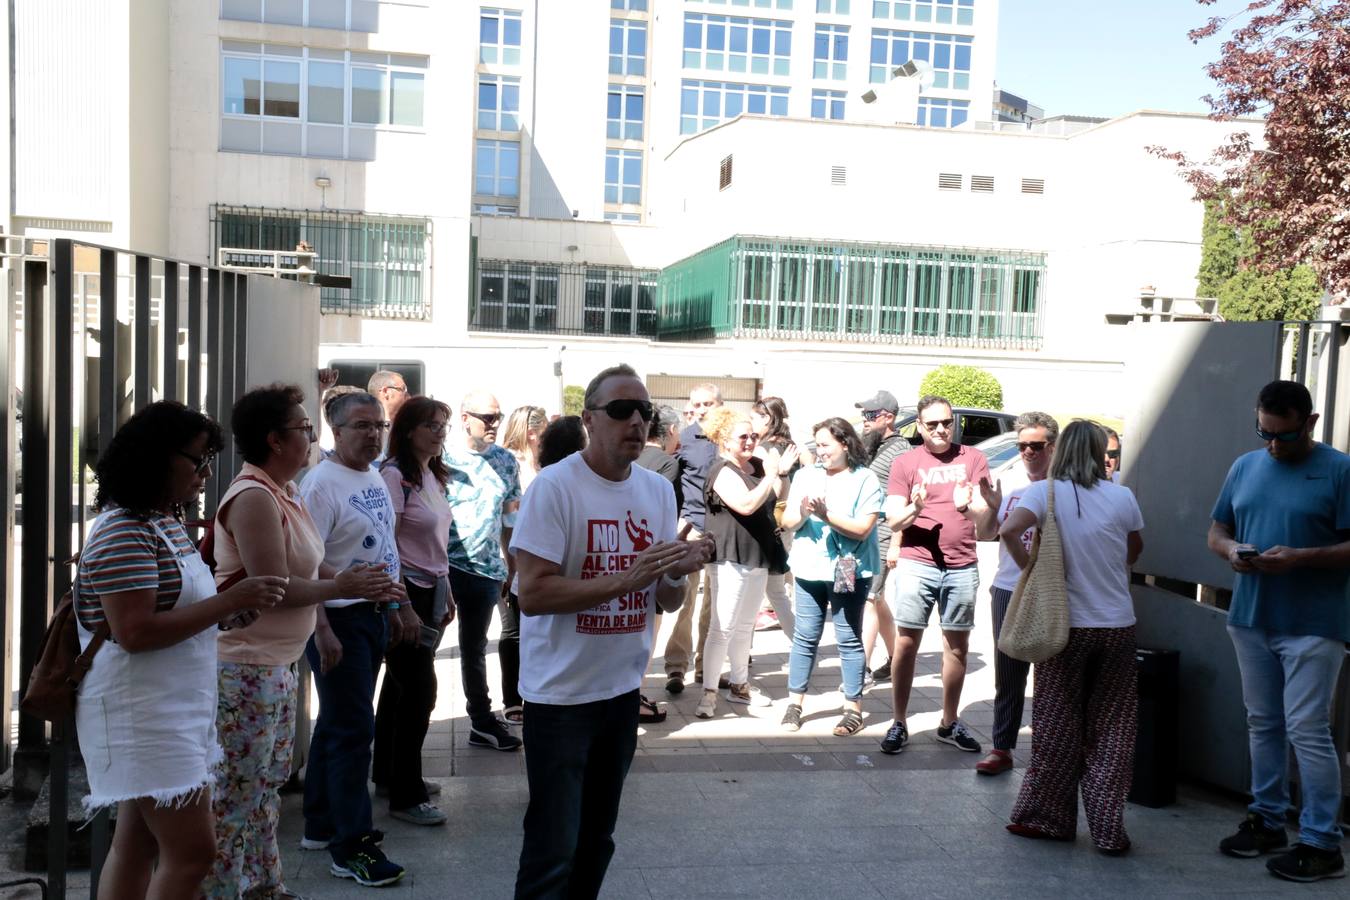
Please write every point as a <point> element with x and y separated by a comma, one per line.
<point>827,104</point>
<point>495,209</point>
<point>831,52</point>
<point>385,256</point>
<point>948,54</point>
<point>944,12</point>
<point>979,428</point>
<point>627,47</point>
<point>498,103</point>
<point>720,43</point>
<point>704,104</point>
<point>631,5</point>
<point>758,4</point>
<point>499,37</point>
<point>347,15</point>
<point>315,102</point>
<point>624,112</point>
<point>622,217</point>
<point>936,112</point>
<point>838,7</point>
<point>497,168</point>
<point>623,176</point>
<point>549,298</point>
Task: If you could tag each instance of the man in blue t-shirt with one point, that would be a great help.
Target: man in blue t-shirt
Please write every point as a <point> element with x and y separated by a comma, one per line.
<point>1282,521</point>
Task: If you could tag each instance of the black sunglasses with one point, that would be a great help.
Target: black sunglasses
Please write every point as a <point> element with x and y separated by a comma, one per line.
<point>1024,446</point>
<point>1285,437</point>
<point>944,423</point>
<point>488,419</point>
<point>1113,454</point>
<point>622,410</point>
<point>871,415</point>
<point>201,463</point>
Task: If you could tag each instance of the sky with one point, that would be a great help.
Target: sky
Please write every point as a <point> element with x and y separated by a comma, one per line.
<point>1106,57</point>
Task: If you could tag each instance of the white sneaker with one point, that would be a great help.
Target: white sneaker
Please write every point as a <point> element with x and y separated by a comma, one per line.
<point>747,695</point>
<point>707,707</point>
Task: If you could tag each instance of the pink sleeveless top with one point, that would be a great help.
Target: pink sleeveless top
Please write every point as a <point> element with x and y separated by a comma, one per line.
<point>278,637</point>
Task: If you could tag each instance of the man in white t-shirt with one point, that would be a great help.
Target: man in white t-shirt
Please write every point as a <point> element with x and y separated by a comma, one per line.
<point>1036,435</point>
<point>595,545</point>
<point>351,508</point>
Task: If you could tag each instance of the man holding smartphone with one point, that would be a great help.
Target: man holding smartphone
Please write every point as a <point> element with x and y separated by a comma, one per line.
<point>1282,521</point>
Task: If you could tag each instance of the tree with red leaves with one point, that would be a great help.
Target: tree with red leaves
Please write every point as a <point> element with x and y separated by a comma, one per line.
<point>1289,61</point>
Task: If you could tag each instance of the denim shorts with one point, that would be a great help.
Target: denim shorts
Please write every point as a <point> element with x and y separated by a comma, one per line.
<point>913,589</point>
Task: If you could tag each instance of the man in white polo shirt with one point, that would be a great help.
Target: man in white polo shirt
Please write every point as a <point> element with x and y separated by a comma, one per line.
<point>595,546</point>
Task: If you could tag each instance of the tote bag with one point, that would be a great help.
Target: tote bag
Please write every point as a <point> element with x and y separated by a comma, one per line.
<point>1036,626</point>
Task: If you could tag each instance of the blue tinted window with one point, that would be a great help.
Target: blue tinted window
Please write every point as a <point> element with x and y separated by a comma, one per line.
<point>778,105</point>
<point>487,29</point>
<point>717,37</point>
<point>693,35</point>
<point>760,41</point>
<point>756,103</point>
<point>735,105</point>
<point>963,57</point>
<point>689,101</point>
<point>511,30</point>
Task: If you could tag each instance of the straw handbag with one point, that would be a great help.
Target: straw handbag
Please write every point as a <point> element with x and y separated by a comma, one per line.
<point>1036,626</point>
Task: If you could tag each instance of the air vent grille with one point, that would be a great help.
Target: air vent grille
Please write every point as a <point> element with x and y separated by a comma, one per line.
<point>950,181</point>
<point>838,175</point>
<point>982,184</point>
<point>1033,185</point>
<point>724,174</point>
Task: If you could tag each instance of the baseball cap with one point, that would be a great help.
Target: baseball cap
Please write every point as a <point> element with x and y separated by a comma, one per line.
<point>881,400</point>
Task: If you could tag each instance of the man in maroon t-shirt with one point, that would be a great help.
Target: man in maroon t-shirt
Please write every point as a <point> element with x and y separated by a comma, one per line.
<point>933,501</point>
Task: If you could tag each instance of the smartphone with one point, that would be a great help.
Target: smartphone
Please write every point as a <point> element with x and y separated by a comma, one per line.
<point>1248,552</point>
<point>428,636</point>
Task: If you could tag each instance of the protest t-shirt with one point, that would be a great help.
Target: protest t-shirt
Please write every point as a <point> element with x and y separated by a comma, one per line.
<point>1093,526</point>
<point>591,528</point>
<point>1267,503</point>
<point>354,516</point>
<point>1014,484</point>
<point>940,536</point>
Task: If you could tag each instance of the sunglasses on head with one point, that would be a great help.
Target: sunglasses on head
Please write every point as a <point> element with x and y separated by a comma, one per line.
<point>622,410</point>
<point>488,419</point>
<point>1285,437</point>
<point>1024,446</point>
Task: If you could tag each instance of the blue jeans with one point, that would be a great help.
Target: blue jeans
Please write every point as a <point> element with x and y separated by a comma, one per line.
<point>337,801</point>
<point>813,599</point>
<point>1287,683</point>
<point>475,601</point>
<point>576,760</point>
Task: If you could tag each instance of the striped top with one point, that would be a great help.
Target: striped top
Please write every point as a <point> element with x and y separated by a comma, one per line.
<point>126,555</point>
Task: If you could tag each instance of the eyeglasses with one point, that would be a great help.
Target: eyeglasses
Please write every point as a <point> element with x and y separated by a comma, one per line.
<point>488,419</point>
<point>402,389</point>
<point>748,438</point>
<point>1037,446</point>
<point>622,410</point>
<point>939,423</point>
<point>307,428</point>
<point>434,427</point>
<point>871,415</point>
<point>200,463</point>
<point>1114,454</point>
<point>366,426</point>
<point>1285,437</point>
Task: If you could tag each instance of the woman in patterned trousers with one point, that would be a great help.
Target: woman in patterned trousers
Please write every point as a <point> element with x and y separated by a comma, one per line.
<point>1083,721</point>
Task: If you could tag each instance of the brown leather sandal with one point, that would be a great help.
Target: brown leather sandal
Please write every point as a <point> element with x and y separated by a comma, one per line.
<point>849,724</point>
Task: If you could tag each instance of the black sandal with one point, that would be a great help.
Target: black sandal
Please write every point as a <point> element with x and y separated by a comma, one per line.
<point>649,712</point>
<point>849,724</point>
<point>792,717</point>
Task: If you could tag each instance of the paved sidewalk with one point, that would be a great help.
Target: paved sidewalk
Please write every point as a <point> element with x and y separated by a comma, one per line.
<point>734,807</point>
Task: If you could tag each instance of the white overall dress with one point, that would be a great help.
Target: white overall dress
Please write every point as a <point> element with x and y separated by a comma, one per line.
<point>147,721</point>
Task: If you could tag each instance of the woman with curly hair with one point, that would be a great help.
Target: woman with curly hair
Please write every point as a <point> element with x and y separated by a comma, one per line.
<point>416,476</point>
<point>262,528</point>
<point>147,709</point>
<point>833,509</point>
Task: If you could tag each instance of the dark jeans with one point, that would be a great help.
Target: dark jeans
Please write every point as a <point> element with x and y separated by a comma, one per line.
<point>508,651</point>
<point>403,714</point>
<point>475,599</point>
<point>337,802</point>
<point>576,758</point>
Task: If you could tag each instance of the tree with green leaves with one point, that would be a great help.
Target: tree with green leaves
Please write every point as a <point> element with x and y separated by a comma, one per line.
<point>1247,293</point>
